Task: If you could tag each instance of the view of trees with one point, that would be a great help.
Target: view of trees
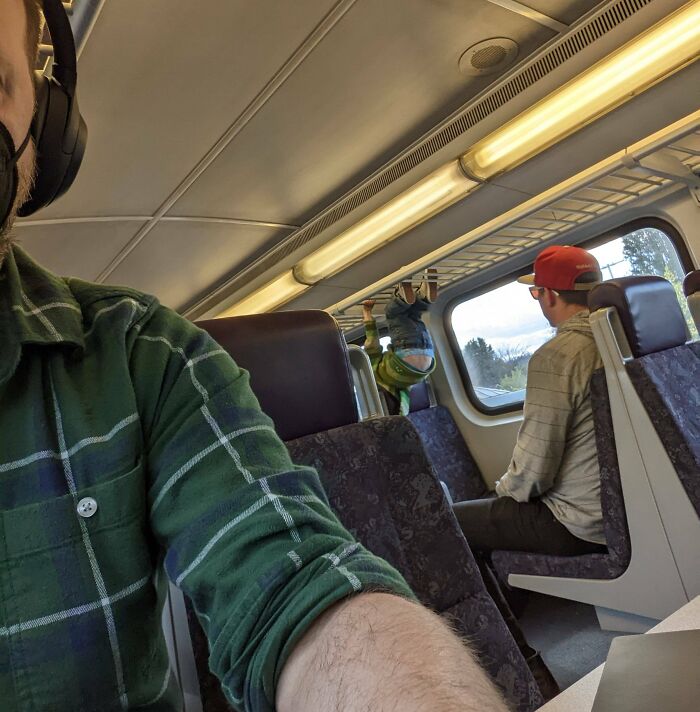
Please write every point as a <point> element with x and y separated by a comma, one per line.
<point>505,369</point>
<point>649,251</point>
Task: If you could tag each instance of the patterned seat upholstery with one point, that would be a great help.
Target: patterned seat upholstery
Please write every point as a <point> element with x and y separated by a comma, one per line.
<point>589,566</point>
<point>385,492</point>
<point>668,384</point>
<point>448,453</point>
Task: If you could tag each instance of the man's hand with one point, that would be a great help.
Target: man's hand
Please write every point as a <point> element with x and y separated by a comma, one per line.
<point>367,307</point>
<point>382,653</point>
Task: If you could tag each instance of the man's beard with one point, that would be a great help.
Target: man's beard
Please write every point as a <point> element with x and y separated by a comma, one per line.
<point>26,170</point>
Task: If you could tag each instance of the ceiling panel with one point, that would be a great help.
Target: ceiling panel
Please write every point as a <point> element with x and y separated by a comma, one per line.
<point>179,260</point>
<point>76,249</point>
<point>161,81</point>
<point>386,73</point>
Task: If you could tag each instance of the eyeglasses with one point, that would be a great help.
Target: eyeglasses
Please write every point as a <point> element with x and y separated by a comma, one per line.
<point>536,292</point>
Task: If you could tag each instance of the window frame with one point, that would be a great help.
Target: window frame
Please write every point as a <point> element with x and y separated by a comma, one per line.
<point>620,231</point>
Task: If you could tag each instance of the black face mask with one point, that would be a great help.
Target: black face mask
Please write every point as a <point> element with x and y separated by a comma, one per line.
<point>9,177</point>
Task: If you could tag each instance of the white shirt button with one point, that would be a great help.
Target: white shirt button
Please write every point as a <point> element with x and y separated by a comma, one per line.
<point>87,507</point>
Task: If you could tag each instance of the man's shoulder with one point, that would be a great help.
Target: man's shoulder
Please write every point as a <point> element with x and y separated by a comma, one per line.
<point>90,295</point>
<point>109,309</point>
<point>565,350</point>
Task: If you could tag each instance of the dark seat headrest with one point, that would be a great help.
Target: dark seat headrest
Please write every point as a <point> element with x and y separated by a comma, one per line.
<point>691,283</point>
<point>419,397</point>
<point>298,367</point>
<point>648,309</point>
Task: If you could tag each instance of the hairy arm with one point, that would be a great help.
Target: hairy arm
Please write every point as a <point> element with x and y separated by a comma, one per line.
<point>380,653</point>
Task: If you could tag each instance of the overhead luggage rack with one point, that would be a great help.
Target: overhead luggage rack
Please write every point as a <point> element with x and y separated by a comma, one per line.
<point>82,15</point>
<point>669,157</point>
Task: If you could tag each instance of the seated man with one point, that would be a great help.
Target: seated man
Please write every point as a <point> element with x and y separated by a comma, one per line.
<point>549,499</point>
<point>410,356</point>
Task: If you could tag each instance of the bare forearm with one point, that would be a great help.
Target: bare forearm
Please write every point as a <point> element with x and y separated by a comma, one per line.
<point>379,653</point>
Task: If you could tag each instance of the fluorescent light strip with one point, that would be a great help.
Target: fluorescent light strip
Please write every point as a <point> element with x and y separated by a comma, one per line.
<point>281,290</point>
<point>427,197</point>
<point>412,207</point>
<point>652,56</point>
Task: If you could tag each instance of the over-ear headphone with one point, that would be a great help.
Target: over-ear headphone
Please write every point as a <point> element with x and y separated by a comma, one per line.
<point>58,129</point>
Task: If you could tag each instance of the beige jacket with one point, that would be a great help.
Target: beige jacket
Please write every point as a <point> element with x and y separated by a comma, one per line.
<point>555,456</point>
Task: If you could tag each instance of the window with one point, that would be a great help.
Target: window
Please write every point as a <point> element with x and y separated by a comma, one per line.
<point>497,331</point>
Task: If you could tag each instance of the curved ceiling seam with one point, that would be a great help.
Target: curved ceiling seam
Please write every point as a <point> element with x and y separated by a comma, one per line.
<point>317,35</point>
<point>230,221</point>
<point>524,11</point>
<point>81,220</point>
<point>145,218</point>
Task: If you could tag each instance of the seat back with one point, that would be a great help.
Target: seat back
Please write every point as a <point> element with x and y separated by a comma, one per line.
<point>691,289</point>
<point>664,373</point>
<point>607,565</point>
<point>665,370</point>
<point>298,365</point>
<point>381,485</point>
<point>446,449</point>
<point>647,310</point>
<point>668,385</point>
<point>422,396</point>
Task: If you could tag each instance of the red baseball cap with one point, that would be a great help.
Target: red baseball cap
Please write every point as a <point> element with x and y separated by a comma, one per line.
<point>559,266</point>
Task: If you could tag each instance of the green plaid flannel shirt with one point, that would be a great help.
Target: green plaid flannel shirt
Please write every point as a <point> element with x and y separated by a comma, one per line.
<point>131,444</point>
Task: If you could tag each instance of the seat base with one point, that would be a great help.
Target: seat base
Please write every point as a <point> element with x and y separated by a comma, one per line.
<point>609,619</point>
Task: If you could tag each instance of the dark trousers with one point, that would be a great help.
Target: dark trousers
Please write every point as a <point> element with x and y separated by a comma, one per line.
<point>503,523</point>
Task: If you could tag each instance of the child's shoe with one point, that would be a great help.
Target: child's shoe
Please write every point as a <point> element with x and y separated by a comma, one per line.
<point>405,291</point>
<point>428,290</point>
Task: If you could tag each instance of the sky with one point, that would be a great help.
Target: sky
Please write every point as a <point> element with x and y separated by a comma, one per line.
<point>509,318</point>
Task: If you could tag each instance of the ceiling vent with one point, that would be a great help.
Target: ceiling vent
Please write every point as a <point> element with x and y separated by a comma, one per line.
<point>581,36</point>
<point>488,57</point>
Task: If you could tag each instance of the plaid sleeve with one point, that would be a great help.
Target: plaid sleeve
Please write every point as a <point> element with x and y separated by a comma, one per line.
<point>249,537</point>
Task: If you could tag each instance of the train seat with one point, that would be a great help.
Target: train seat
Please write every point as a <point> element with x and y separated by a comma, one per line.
<point>293,358</point>
<point>445,447</point>
<point>611,564</point>
<point>631,317</point>
<point>663,369</point>
<point>691,289</point>
<point>377,478</point>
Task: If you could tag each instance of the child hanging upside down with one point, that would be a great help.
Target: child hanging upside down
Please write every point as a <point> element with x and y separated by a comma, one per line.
<point>410,356</point>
